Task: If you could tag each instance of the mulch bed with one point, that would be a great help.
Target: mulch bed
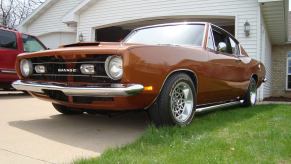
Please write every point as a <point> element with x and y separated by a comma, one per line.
<point>284,99</point>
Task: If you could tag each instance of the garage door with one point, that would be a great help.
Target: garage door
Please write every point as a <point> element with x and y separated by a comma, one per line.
<point>118,32</point>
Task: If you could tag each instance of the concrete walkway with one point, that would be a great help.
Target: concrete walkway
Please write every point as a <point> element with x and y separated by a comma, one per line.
<point>33,132</point>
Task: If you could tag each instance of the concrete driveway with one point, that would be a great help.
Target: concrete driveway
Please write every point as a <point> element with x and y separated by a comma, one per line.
<point>33,132</point>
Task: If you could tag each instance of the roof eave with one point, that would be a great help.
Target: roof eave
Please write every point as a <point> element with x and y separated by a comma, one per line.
<point>278,31</point>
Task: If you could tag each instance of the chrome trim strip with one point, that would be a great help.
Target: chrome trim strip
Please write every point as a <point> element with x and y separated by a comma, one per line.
<point>85,62</point>
<point>90,91</point>
<point>209,108</point>
<point>8,71</point>
<point>170,24</point>
<point>70,75</point>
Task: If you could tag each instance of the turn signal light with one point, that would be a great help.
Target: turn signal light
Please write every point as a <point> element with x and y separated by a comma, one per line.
<point>149,88</point>
<point>40,69</point>
<point>87,69</point>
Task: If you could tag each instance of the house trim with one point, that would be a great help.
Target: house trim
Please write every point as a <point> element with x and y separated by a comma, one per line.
<point>264,1</point>
<point>73,17</point>
<point>276,11</point>
<point>287,70</point>
<point>53,32</point>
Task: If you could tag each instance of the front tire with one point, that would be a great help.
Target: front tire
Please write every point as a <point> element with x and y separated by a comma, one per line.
<point>176,103</point>
<point>250,98</point>
<point>66,110</point>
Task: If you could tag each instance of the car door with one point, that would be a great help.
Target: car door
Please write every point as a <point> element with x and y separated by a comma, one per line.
<point>225,67</point>
<point>8,50</point>
<point>243,63</point>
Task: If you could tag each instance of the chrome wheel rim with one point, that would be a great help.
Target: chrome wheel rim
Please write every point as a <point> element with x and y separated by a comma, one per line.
<point>253,93</point>
<point>182,102</point>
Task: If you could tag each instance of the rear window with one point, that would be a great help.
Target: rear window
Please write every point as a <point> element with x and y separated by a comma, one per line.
<point>8,40</point>
<point>31,44</point>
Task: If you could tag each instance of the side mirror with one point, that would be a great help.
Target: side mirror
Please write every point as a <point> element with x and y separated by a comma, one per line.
<point>221,47</point>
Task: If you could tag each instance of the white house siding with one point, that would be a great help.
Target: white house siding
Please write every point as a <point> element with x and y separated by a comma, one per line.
<point>51,20</point>
<point>54,40</point>
<point>266,58</point>
<point>106,12</point>
<point>49,26</point>
<point>289,26</point>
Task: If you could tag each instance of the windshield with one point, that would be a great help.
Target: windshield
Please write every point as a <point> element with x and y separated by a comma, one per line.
<point>190,35</point>
<point>31,44</point>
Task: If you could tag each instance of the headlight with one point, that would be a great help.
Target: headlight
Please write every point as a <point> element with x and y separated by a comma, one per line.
<point>114,67</point>
<point>26,67</point>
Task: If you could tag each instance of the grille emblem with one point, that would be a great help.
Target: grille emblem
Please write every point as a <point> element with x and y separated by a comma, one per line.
<point>63,70</point>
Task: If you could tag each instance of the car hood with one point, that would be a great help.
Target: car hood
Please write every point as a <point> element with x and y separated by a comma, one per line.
<point>83,48</point>
<point>96,48</point>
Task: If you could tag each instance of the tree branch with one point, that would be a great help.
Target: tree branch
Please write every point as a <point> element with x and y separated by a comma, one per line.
<point>13,12</point>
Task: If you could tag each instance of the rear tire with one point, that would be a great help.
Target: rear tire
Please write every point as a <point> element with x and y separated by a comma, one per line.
<point>66,110</point>
<point>250,98</point>
<point>176,103</point>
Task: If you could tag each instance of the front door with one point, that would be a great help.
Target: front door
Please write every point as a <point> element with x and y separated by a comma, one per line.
<point>226,67</point>
<point>8,50</point>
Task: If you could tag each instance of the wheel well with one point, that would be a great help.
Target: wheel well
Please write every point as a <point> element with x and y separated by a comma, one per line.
<point>191,74</point>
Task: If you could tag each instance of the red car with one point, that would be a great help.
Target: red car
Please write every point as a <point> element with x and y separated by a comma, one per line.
<point>13,43</point>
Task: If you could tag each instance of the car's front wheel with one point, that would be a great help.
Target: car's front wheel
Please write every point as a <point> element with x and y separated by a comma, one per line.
<point>250,98</point>
<point>176,103</point>
<point>66,110</point>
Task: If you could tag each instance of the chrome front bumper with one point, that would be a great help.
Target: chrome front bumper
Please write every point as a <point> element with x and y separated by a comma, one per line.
<point>112,90</point>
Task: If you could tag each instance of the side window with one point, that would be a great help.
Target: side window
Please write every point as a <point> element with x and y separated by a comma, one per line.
<point>242,51</point>
<point>222,41</point>
<point>234,47</point>
<point>210,43</point>
<point>8,40</point>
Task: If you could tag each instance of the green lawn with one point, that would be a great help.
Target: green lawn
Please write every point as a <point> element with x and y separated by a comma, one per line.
<point>261,134</point>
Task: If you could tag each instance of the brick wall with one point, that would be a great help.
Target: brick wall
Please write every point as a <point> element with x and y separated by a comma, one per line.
<point>279,61</point>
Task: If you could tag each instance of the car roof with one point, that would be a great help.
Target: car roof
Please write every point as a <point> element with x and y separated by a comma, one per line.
<point>7,28</point>
<point>171,24</point>
<point>185,23</point>
<point>13,30</point>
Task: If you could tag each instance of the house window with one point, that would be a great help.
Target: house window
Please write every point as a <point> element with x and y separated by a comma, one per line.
<point>289,71</point>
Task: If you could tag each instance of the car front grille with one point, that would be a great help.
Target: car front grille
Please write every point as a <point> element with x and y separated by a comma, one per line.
<point>54,64</point>
<point>56,95</point>
<point>87,100</point>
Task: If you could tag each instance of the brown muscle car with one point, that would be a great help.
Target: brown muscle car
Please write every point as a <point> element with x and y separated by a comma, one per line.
<point>169,70</point>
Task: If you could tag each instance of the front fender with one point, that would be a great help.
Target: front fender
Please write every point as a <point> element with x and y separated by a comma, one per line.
<point>151,65</point>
